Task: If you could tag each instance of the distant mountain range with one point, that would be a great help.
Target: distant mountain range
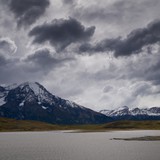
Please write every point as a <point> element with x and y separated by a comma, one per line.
<point>31,101</point>
<point>126,113</point>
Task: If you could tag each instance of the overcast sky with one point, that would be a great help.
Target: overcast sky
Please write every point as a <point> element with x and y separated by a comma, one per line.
<point>101,54</point>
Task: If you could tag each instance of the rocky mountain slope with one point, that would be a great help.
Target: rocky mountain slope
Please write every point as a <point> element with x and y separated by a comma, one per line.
<point>31,101</point>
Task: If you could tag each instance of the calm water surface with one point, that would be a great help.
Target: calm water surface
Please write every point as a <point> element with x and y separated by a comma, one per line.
<point>78,146</point>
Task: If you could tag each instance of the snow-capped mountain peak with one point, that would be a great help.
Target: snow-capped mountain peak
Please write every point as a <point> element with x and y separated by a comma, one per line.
<point>34,86</point>
<point>33,91</point>
<point>30,100</point>
<point>122,108</point>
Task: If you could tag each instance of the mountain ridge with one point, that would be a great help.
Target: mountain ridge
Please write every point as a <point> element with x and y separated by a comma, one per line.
<point>32,101</point>
<point>133,113</point>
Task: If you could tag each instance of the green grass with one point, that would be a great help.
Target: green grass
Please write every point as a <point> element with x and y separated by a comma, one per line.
<point>7,125</point>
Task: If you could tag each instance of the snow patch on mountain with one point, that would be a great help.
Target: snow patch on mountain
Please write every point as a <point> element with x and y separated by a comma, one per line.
<point>2,101</point>
<point>35,91</point>
<point>35,87</point>
<point>21,104</point>
<point>44,107</point>
<point>10,87</point>
<point>2,95</point>
<point>73,105</point>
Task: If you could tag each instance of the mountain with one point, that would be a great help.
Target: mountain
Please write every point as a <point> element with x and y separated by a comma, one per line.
<point>31,101</point>
<point>125,113</point>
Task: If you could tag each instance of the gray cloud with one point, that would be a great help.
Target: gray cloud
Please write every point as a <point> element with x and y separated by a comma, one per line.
<point>132,44</point>
<point>110,12</point>
<point>9,69</point>
<point>145,68</point>
<point>44,60</point>
<point>153,73</point>
<point>7,46</point>
<point>108,89</point>
<point>28,11</point>
<point>142,89</point>
<point>118,11</point>
<point>118,16</point>
<point>34,67</point>
<point>104,45</point>
<point>69,2</point>
<point>61,33</point>
<point>3,61</point>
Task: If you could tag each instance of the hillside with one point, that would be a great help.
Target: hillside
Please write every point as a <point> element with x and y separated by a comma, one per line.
<point>138,125</point>
<point>21,125</point>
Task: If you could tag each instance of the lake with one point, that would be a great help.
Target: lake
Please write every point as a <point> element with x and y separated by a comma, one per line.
<point>59,145</point>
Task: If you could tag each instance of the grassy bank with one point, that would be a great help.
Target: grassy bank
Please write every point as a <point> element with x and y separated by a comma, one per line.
<point>19,125</point>
<point>125,125</point>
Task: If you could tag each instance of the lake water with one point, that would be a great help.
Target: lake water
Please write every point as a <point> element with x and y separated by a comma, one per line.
<point>78,146</point>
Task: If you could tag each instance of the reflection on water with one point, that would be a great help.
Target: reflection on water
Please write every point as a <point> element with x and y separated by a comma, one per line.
<point>78,146</point>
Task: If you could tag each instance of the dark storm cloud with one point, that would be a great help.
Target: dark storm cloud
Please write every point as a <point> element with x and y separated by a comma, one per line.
<point>61,33</point>
<point>104,45</point>
<point>132,44</point>
<point>27,11</point>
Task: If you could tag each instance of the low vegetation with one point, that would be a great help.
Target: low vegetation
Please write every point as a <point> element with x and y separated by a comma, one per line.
<point>138,125</point>
<point>21,125</point>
